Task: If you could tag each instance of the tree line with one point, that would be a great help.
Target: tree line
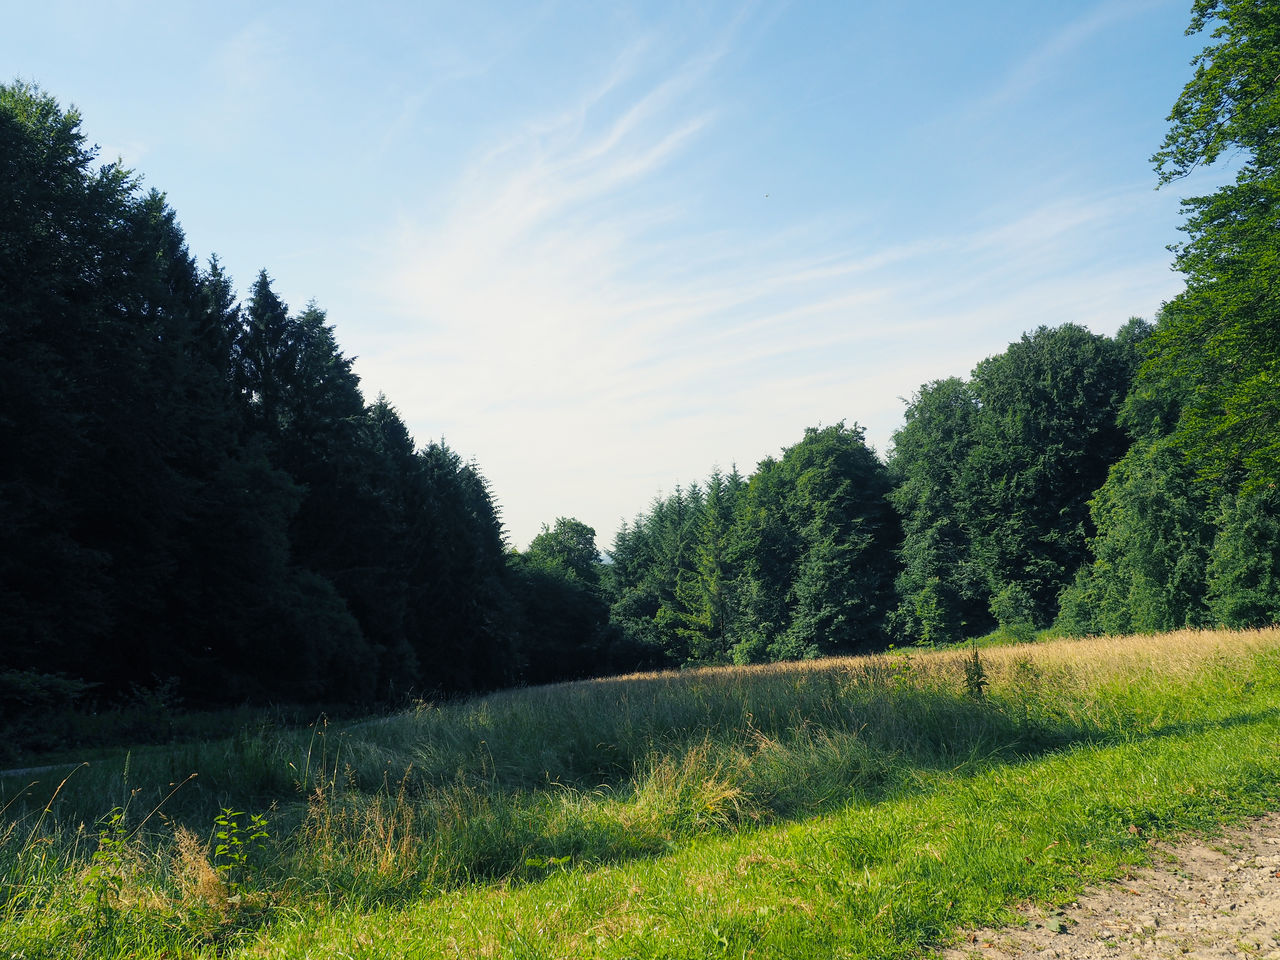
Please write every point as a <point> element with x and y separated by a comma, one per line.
<point>196,492</point>
<point>1077,483</point>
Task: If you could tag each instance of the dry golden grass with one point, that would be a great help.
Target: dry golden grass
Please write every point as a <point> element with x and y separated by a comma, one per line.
<point>197,881</point>
<point>1081,662</point>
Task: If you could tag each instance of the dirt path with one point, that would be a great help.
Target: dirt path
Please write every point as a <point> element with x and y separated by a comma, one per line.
<point>1203,899</point>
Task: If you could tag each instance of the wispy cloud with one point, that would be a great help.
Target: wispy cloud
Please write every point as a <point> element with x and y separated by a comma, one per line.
<point>1057,52</point>
<point>242,80</point>
<point>562,344</point>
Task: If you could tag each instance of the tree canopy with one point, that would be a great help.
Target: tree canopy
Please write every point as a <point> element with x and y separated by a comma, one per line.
<point>1183,518</point>
<point>196,492</point>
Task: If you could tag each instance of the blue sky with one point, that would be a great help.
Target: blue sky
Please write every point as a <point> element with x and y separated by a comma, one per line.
<point>605,247</point>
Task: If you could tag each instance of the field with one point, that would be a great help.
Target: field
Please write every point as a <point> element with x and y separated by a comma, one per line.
<point>865,807</point>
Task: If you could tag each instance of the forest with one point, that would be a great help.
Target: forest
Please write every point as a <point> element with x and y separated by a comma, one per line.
<point>198,498</point>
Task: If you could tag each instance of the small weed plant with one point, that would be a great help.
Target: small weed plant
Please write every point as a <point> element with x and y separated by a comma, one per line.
<point>104,880</point>
<point>240,839</point>
<point>975,676</point>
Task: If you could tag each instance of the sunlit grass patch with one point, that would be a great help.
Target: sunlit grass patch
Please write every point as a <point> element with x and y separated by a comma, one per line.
<point>781,806</point>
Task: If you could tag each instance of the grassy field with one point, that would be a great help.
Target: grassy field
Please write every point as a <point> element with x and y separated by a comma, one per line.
<point>862,807</point>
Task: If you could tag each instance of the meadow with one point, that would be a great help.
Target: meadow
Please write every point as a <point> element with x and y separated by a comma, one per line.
<point>861,807</point>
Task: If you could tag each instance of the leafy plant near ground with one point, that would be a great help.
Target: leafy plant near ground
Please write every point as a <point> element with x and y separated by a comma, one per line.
<point>104,880</point>
<point>575,794</point>
<point>238,840</point>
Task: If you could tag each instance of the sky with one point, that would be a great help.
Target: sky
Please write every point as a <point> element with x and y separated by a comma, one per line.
<point>604,248</point>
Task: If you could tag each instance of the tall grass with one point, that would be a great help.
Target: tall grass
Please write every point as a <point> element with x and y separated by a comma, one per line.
<point>529,786</point>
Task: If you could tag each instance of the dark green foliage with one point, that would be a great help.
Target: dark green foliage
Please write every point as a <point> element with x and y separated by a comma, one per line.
<point>570,546</point>
<point>565,617</point>
<point>52,213</point>
<point>115,415</point>
<point>198,500</point>
<point>994,478</point>
<point>1244,567</point>
<point>304,402</point>
<point>460,609</point>
<point>1046,436</point>
<point>1150,551</point>
<point>704,592</point>
<point>715,550</point>
<point>156,518</point>
<point>942,590</point>
<point>1221,337</point>
<point>845,534</point>
<point>797,562</point>
<point>195,493</point>
<point>649,561</point>
<point>766,548</point>
<point>1014,611</point>
<point>26,696</point>
<point>1186,529</point>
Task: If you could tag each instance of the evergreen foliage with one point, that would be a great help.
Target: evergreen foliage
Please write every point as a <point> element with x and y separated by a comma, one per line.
<point>196,494</point>
<point>793,563</point>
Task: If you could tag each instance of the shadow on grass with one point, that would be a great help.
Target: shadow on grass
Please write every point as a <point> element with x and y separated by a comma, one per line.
<point>366,839</point>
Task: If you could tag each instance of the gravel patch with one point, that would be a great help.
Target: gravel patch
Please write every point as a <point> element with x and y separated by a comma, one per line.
<point>1202,899</point>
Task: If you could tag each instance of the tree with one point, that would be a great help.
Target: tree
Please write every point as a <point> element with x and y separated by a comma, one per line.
<point>1043,443</point>
<point>653,562</point>
<point>55,209</point>
<point>565,619</point>
<point>796,561</point>
<point>842,581</point>
<point>705,596</point>
<point>1150,550</point>
<point>1223,333</point>
<point>765,548</point>
<point>571,546</point>
<point>194,489</point>
<point>1185,533</point>
<point>941,591</point>
<point>144,535</point>
<point>1243,574</point>
<point>993,479</point>
<point>462,616</point>
<point>1233,100</point>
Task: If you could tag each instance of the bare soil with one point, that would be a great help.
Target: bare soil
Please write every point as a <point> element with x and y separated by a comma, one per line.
<point>1209,898</point>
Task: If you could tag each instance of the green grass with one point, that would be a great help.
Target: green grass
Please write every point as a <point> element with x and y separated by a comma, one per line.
<point>862,807</point>
<point>60,731</point>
